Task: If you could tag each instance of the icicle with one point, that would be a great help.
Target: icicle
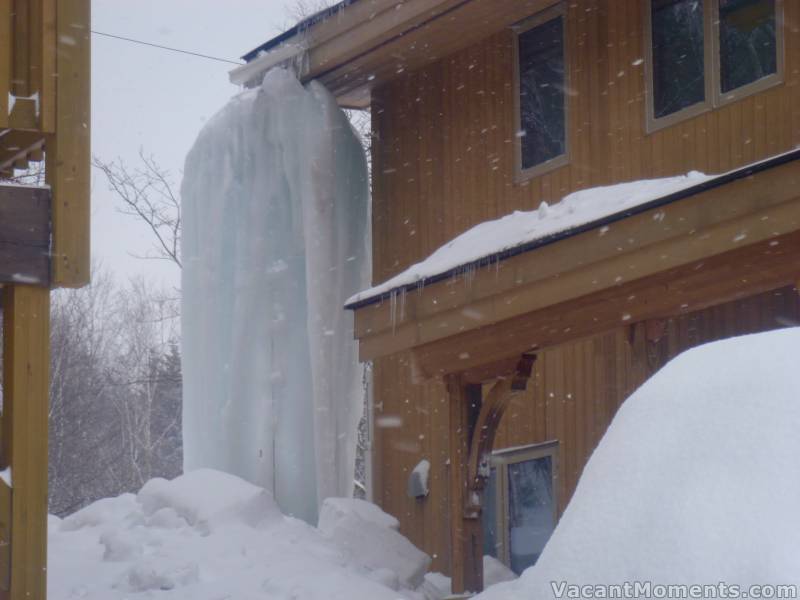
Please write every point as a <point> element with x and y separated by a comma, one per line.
<point>277,177</point>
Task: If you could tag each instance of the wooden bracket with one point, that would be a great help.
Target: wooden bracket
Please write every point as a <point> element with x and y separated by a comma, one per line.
<point>492,410</point>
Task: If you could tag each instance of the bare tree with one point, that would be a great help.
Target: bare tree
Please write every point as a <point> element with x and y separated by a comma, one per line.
<point>115,397</point>
<point>147,193</point>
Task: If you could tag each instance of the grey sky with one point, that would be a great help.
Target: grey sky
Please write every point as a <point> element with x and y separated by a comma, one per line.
<point>157,100</point>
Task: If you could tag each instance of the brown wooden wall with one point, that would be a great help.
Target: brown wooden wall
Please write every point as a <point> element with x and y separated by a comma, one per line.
<point>443,161</point>
<point>443,153</point>
<point>576,391</point>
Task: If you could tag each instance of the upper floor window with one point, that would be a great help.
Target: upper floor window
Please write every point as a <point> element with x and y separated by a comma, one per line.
<point>679,62</point>
<point>748,42</point>
<point>540,79</point>
<point>704,53</point>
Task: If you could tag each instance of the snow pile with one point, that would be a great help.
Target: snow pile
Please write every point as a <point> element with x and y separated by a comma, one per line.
<point>212,536</point>
<point>275,237</point>
<point>437,586</point>
<point>695,481</point>
<point>522,227</point>
<point>366,526</point>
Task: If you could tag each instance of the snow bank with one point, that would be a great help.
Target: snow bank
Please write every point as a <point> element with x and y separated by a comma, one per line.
<point>211,536</point>
<point>695,481</point>
<point>275,237</point>
<point>371,538</point>
<point>437,586</point>
<point>521,227</point>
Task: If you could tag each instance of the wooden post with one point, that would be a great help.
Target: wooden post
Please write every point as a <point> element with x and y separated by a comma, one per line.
<point>67,152</point>
<point>26,331</point>
<point>5,60</point>
<point>466,534</point>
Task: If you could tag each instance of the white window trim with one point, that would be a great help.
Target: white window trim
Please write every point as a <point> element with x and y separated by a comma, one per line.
<point>714,98</point>
<point>501,459</point>
<point>520,174</point>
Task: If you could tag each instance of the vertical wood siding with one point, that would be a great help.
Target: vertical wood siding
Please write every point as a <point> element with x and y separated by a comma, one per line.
<point>576,391</point>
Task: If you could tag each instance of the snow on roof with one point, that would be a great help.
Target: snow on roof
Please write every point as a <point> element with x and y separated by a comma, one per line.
<point>523,230</point>
<point>522,227</point>
<point>299,28</point>
<point>694,483</point>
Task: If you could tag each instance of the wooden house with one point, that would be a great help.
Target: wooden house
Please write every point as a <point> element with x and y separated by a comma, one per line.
<point>504,372</point>
<point>44,244</point>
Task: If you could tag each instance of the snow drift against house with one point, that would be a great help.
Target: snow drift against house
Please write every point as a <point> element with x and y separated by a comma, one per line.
<point>695,481</point>
<point>522,227</point>
<point>275,237</point>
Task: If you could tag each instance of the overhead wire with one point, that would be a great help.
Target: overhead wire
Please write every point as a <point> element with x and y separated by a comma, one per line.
<point>161,47</point>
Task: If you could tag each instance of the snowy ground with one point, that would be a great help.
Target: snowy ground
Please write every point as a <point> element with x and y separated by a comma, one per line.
<point>212,536</point>
<point>696,482</point>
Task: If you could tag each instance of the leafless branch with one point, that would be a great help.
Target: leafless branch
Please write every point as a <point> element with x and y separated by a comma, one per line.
<point>147,193</point>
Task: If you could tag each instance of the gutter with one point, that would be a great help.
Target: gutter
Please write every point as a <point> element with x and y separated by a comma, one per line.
<point>282,51</point>
<point>258,66</point>
<point>491,259</point>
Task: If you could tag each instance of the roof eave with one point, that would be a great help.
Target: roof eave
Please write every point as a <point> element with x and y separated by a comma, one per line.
<point>496,257</point>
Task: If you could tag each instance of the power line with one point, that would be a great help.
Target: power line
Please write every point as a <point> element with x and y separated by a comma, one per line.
<point>143,43</point>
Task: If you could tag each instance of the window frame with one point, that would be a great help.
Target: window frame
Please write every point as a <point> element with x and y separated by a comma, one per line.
<point>500,460</point>
<point>653,123</point>
<point>714,98</point>
<point>521,175</point>
<point>754,87</point>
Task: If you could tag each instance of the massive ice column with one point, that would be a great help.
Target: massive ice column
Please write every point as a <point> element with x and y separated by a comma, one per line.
<point>275,238</point>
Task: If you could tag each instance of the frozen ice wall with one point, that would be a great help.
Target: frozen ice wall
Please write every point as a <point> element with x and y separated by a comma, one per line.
<point>275,239</point>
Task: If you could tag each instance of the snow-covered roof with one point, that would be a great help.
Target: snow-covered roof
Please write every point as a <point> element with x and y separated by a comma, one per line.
<point>522,231</point>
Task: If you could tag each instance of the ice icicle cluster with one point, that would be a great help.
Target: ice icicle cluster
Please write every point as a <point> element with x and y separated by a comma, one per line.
<point>275,238</point>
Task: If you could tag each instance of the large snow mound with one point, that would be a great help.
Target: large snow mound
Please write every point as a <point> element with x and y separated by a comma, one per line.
<point>211,536</point>
<point>522,227</point>
<point>696,481</point>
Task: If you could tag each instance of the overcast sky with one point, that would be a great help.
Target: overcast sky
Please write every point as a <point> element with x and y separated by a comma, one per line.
<point>157,100</point>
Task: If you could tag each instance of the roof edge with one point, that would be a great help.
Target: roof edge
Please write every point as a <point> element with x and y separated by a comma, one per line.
<point>725,178</point>
<point>300,28</point>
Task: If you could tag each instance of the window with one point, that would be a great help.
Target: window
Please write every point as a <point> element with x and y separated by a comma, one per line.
<point>704,53</point>
<point>748,48</point>
<point>540,79</point>
<point>678,47</point>
<point>519,509</point>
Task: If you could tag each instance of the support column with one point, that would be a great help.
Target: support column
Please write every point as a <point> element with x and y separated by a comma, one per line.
<point>466,534</point>
<point>23,446</point>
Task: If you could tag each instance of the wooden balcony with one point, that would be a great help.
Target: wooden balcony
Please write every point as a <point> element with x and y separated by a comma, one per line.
<point>44,117</point>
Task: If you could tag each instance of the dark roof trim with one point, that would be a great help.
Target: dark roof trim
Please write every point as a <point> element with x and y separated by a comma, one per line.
<point>301,27</point>
<point>710,184</point>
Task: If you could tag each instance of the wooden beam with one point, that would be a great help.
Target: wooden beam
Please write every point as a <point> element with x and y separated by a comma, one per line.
<point>26,330</point>
<point>466,534</point>
<point>5,60</point>
<point>733,275</point>
<point>67,154</point>
<point>493,408</point>
<point>17,145</point>
<point>49,75</point>
<point>24,235</point>
<point>20,79</point>
<point>710,223</point>
<point>5,536</point>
